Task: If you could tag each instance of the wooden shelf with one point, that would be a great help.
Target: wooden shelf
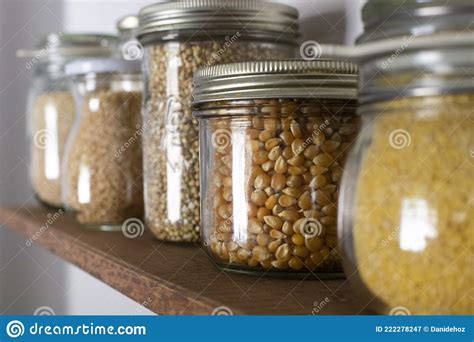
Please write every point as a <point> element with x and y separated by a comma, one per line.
<point>172,279</point>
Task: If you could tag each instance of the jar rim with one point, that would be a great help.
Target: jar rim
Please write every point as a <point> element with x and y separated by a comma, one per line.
<point>102,65</point>
<point>418,71</point>
<point>233,108</point>
<point>61,46</point>
<point>389,19</point>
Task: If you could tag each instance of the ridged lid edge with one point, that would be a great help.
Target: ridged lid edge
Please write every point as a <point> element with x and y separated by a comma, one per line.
<point>187,5</point>
<point>276,67</point>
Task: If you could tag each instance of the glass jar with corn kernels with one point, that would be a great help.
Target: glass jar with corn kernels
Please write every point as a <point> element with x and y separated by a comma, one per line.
<point>273,139</point>
<point>178,38</point>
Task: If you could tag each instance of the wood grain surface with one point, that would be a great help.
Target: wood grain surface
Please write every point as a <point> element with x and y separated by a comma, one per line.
<point>172,279</point>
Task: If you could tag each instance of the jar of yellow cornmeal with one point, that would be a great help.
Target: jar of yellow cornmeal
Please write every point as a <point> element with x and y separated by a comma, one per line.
<point>406,217</point>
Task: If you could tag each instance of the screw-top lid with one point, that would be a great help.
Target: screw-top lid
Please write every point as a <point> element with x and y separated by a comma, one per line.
<point>68,45</point>
<point>396,18</point>
<point>252,18</point>
<point>324,79</point>
<point>102,65</point>
<point>425,66</point>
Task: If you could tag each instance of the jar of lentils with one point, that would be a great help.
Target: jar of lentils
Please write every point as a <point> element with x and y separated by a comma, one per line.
<point>179,37</point>
<point>274,137</point>
<point>408,222</point>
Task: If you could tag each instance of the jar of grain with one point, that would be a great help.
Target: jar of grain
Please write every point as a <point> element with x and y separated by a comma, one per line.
<point>274,136</point>
<point>51,111</point>
<point>407,225</point>
<point>103,161</point>
<point>179,37</point>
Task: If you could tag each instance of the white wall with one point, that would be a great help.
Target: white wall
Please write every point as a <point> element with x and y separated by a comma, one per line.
<point>22,277</point>
<point>327,21</point>
<point>31,277</point>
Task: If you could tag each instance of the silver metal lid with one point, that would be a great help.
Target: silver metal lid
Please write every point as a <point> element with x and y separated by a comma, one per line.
<point>431,71</point>
<point>70,45</point>
<point>322,79</point>
<point>393,47</point>
<point>127,24</point>
<point>396,18</point>
<point>253,18</point>
<point>410,66</point>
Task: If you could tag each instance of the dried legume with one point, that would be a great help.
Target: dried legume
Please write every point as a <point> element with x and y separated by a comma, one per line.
<point>291,211</point>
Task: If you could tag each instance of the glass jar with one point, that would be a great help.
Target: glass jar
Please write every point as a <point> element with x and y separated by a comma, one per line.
<point>273,140</point>
<point>51,110</point>
<point>180,37</point>
<point>128,48</point>
<point>413,18</point>
<point>407,217</point>
<point>127,28</point>
<point>103,161</point>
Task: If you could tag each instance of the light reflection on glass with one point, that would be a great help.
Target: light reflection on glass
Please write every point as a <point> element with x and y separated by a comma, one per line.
<point>51,148</point>
<point>84,185</point>
<point>418,225</point>
<point>94,104</point>
<point>239,202</point>
<point>175,162</point>
<point>174,173</point>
